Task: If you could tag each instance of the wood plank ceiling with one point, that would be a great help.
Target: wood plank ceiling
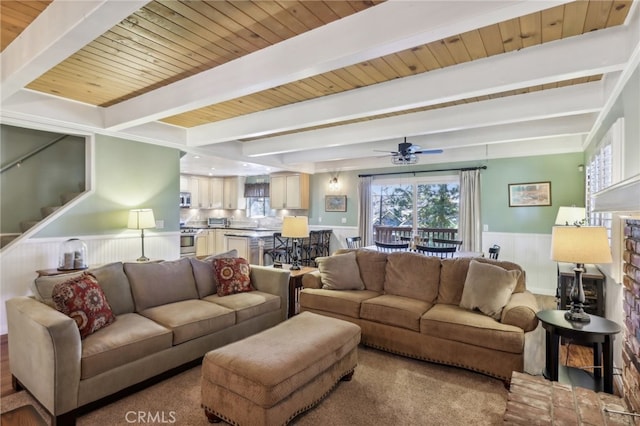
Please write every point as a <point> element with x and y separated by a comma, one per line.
<point>166,41</point>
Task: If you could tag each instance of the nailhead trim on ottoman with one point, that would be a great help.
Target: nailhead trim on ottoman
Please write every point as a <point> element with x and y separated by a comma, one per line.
<point>269,378</point>
<point>534,400</point>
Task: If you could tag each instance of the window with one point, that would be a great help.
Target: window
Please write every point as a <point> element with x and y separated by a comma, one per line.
<point>415,204</point>
<point>258,206</point>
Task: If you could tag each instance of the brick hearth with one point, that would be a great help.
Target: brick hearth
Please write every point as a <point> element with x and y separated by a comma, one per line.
<point>631,306</point>
<point>534,400</point>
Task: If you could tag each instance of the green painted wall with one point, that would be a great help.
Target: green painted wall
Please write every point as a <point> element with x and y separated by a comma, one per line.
<point>128,175</point>
<point>567,188</point>
<point>42,178</point>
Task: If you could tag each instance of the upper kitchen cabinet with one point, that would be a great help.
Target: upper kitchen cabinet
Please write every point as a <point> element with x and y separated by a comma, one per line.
<point>216,193</point>
<point>289,191</point>
<point>233,189</point>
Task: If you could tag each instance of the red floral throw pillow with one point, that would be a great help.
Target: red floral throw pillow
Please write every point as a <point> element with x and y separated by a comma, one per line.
<point>233,275</point>
<point>82,299</point>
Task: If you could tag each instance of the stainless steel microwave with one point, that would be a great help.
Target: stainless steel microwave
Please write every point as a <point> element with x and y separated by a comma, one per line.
<point>185,199</point>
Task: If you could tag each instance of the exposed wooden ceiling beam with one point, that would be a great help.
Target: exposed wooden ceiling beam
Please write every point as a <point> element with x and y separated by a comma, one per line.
<point>594,53</point>
<point>385,28</point>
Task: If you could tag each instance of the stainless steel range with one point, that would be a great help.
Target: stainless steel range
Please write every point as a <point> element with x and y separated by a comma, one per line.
<point>188,240</point>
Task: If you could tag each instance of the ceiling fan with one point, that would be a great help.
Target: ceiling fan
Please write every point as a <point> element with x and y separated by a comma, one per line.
<point>407,153</point>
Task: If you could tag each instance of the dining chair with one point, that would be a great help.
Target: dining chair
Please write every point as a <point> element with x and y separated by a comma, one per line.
<point>354,242</point>
<point>494,252</point>
<point>441,252</point>
<point>280,250</point>
<point>440,242</point>
<point>389,247</point>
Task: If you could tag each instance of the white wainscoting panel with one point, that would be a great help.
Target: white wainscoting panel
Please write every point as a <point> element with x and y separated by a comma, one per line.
<point>532,252</point>
<point>20,263</point>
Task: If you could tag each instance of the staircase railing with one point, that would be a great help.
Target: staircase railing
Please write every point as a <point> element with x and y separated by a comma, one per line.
<point>30,154</point>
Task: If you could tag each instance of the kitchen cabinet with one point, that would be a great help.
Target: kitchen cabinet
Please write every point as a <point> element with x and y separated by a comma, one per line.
<point>216,193</point>
<point>201,244</point>
<point>289,191</point>
<point>239,243</point>
<point>184,183</point>
<point>233,189</point>
<point>220,244</point>
<point>203,194</point>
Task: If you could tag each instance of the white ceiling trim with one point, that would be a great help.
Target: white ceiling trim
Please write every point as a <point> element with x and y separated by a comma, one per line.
<point>62,29</point>
<point>385,28</point>
<point>570,100</point>
<point>479,154</point>
<point>590,54</point>
<point>555,127</point>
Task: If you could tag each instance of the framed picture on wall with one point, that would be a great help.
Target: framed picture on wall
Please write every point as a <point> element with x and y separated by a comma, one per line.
<point>530,194</point>
<point>335,203</point>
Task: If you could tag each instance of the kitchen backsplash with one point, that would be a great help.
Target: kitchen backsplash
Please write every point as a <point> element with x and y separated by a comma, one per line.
<point>198,218</point>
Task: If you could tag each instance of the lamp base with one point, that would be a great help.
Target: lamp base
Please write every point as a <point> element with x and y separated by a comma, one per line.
<point>295,267</point>
<point>577,315</point>
<point>142,259</point>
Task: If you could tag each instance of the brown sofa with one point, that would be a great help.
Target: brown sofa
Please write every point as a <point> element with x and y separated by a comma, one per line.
<point>409,304</point>
<point>167,314</point>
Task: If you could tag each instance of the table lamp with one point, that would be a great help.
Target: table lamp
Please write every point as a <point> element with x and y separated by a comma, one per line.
<point>579,245</point>
<point>141,219</point>
<point>571,216</point>
<point>295,227</point>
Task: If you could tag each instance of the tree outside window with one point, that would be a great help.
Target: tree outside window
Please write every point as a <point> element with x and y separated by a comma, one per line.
<point>418,204</point>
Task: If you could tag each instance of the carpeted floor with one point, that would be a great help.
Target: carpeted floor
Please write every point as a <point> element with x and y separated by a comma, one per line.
<point>386,390</point>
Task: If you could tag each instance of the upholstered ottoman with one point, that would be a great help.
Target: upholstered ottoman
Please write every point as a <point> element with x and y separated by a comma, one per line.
<point>272,376</point>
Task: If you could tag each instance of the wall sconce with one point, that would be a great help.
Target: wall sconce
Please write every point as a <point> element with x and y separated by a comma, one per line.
<point>333,184</point>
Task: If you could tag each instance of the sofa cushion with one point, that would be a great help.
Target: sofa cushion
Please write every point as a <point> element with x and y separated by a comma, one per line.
<point>82,299</point>
<point>130,338</point>
<point>111,278</point>
<point>155,284</point>
<point>233,275</point>
<point>247,305</point>
<point>206,282</point>
<point>372,264</point>
<point>394,310</point>
<point>454,274</point>
<point>412,275</point>
<point>458,324</point>
<point>346,302</point>
<point>488,288</point>
<point>340,272</point>
<point>190,319</point>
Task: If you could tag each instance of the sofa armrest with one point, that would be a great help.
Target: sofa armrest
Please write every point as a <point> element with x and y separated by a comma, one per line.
<point>521,311</point>
<point>311,280</point>
<point>45,353</point>
<point>274,281</point>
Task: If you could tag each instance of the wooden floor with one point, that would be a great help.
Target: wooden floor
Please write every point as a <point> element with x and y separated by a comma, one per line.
<point>577,356</point>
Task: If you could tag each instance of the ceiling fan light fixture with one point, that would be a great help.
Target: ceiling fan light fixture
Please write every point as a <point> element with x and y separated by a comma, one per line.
<point>404,159</point>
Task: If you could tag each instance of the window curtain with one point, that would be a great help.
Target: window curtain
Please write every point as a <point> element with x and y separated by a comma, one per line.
<point>469,227</point>
<point>365,227</point>
<point>258,190</point>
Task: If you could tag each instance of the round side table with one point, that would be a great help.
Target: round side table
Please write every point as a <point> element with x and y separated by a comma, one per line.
<point>599,332</point>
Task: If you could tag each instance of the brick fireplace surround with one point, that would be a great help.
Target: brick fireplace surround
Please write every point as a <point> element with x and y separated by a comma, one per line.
<point>631,306</point>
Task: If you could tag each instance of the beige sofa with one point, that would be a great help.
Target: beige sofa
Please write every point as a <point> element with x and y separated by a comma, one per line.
<point>167,314</point>
<point>409,304</point>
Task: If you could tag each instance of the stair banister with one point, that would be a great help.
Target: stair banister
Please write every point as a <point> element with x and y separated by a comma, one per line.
<point>30,154</point>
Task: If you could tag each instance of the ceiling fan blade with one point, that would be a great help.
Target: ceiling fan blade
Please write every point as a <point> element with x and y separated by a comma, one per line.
<point>388,152</point>
<point>429,151</point>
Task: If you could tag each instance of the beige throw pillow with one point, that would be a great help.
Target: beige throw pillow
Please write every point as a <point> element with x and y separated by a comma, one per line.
<point>340,272</point>
<point>488,288</point>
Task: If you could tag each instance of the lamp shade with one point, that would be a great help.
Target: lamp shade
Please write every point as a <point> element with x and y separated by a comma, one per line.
<point>580,244</point>
<point>295,227</point>
<point>141,219</point>
<point>570,215</point>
